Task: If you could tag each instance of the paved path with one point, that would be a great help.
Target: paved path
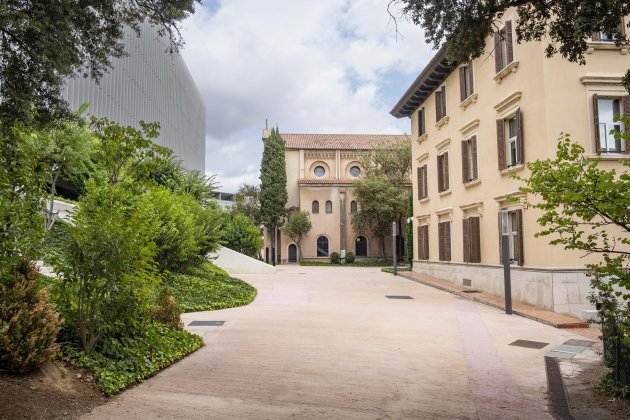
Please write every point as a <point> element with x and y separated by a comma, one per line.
<point>323,342</point>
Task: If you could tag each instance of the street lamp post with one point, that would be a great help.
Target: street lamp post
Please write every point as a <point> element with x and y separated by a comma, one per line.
<point>394,248</point>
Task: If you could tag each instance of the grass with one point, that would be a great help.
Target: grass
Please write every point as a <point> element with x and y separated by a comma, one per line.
<point>125,362</point>
<point>356,263</point>
<point>209,288</point>
<point>390,270</point>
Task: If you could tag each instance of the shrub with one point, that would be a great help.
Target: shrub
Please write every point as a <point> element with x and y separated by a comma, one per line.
<point>28,325</point>
<point>349,257</point>
<point>335,258</point>
<point>167,310</point>
<point>240,234</point>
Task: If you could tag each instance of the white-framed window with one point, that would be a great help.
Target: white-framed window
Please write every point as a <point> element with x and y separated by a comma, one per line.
<point>510,227</point>
<point>511,142</point>
<point>607,109</point>
<point>319,171</point>
<point>466,80</point>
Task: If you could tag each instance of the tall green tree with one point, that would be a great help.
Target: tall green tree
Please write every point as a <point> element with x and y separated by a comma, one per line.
<point>273,187</point>
<point>247,202</point>
<point>390,160</point>
<point>297,227</point>
<point>565,24</point>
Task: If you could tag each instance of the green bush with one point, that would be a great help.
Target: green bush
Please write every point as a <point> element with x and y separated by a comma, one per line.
<point>349,257</point>
<point>239,233</point>
<point>167,310</point>
<point>122,362</point>
<point>335,258</point>
<point>28,325</point>
<point>208,288</point>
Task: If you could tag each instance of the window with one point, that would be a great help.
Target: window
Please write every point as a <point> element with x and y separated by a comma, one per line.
<point>442,166</point>
<point>510,141</point>
<point>421,124</point>
<point>511,225</point>
<point>440,104</point>
<point>503,48</point>
<point>603,36</point>
<point>355,171</point>
<point>469,159</point>
<point>315,207</point>
<point>466,87</point>
<point>353,207</point>
<point>360,246</point>
<point>319,171</point>
<point>328,206</point>
<point>423,190</point>
<point>606,128</point>
<point>322,246</point>
<point>444,238</point>
<point>472,240</point>
<point>423,242</point>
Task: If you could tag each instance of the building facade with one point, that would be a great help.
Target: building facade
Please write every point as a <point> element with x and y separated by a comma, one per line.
<point>320,171</point>
<point>149,84</point>
<point>474,126</point>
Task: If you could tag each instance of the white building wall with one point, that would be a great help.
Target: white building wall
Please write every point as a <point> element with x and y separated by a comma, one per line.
<point>149,84</point>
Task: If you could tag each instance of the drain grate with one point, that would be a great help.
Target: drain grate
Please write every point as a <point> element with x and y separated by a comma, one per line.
<point>398,297</point>
<point>206,323</point>
<point>582,343</point>
<point>529,344</point>
<point>470,291</point>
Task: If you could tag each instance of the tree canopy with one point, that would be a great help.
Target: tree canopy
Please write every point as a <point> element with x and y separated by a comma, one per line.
<point>564,24</point>
<point>297,226</point>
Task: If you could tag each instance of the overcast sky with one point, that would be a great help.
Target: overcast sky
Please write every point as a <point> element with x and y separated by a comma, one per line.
<point>326,66</point>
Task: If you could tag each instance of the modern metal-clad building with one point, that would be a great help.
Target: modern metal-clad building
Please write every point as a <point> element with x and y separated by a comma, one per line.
<point>149,84</point>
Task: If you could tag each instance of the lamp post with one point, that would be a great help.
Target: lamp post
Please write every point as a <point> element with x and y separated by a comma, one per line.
<point>505,256</point>
<point>394,248</point>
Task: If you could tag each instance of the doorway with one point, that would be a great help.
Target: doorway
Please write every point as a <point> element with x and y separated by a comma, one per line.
<point>292,253</point>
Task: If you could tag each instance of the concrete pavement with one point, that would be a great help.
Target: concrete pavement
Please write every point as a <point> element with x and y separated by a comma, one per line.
<point>322,342</point>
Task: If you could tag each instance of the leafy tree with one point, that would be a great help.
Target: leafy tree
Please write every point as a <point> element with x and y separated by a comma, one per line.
<point>380,204</point>
<point>389,160</point>
<point>273,187</point>
<point>297,227</point>
<point>240,234</point>
<point>247,202</point>
<point>585,208</point>
<point>464,25</point>
<point>42,42</point>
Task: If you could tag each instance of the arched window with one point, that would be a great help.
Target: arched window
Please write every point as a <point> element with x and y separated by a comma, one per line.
<point>322,246</point>
<point>328,206</point>
<point>360,247</point>
<point>353,206</point>
<point>315,207</point>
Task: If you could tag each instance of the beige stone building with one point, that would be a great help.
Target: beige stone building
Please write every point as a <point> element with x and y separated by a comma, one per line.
<point>474,126</point>
<point>320,171</point>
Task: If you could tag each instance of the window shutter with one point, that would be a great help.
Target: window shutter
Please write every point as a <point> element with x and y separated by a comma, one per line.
<point>462,83</point>
<point>420,242</point>
<point>508,40</point>
<point>471,85</point>
<point>419,183</point>
<point>438,106</point>
<point>521,250</point>
<point>447,241</point>
<point>622,26</point>
<point>441,241</point>
<point>426,241</point>
<point>473,151</point>
<point>595,36</point>
<point>443,101</point>
<point>465,176</point>
<point>520,143</point>
<point>501,144</point>
<point>498,53</point>
<point>445,183</point>
<point>500,239</point>
<point>421,122</point>
<point>425,183</point>
<point>475,239</point>
<point>598,148</point>
<point>466,236</point>
<point>626,113</point>
<point>439,171</point>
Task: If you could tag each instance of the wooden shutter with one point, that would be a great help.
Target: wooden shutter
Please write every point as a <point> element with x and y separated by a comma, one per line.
<point>438,106</point>
<point>466,239</point>
<point>508,39</point>
<point>501,256</point>
<point>440,241</point>
<point>471,84</point>
<point>475,239</point>
<point>419,182</point>
<point>425,183</point>
<point>520,143</point>
<point>439,173</point>
<point>462,83</point>
<point>598,147</point>
<point>465,168</point>
<point>498,52</point>
<point>421,128</point>
<point>447,241</point>
<point>445,183</point>
<point>622,26</point>
<point>419,230</point>
<point>520,255</point>
<point>473,151</point>
<point>443,101</point>
<point>423,242</point>
<point>501,144</point>
<point>626,113</point>
<point>595,36</point>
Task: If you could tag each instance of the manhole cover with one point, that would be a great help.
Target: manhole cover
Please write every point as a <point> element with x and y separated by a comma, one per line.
<point>398,297</point>
<point>529,344</point>
<point>581,343</point>
<point>206,323</point>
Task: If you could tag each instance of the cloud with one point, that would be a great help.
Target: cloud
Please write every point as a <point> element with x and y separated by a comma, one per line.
<point>307,66</point>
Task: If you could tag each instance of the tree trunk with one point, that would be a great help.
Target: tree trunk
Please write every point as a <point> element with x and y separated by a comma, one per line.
<point>382,240</point>
<point>273,244</point>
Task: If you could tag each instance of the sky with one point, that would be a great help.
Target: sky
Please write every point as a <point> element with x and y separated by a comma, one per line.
<point>308,66</point>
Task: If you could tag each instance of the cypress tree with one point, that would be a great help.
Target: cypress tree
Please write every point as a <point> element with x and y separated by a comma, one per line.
<point>273,186</point>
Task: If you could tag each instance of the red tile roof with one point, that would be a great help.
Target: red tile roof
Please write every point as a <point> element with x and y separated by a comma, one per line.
<point>339,141</point>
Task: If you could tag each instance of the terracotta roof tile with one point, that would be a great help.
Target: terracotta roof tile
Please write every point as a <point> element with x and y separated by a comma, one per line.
<point>339,141</point>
